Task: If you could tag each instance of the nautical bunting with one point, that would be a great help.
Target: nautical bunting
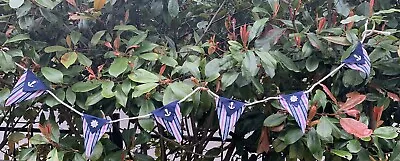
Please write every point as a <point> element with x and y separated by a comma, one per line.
<point>297,106</point>
<point>93,129</point>
<point>169,116</point>
<point>228,112</point>
<point>359,60</point>
<point>27,87</point>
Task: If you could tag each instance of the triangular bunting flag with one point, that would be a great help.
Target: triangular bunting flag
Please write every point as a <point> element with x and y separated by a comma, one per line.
<point>359,60</point>
<point>93,129</point>
<point>169,116</point>
<point>228,112</point>
<point>27,87</point>
<point>297,106</point>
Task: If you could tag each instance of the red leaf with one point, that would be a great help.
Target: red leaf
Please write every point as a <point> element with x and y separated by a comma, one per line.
<point>313,111</point>
<point>393,96</point>
<point>329,93</point>
<point>297,39</point>
<point>244,35</point>
<point>45,129</point>
<point>353,112</point>
<point>350,25</point>
<point>117,41</point>
<point>263,143</point>
<point>99,68</point>
<point>353,99</point>
<point>321,24</point>
<point>9,31</point>
<point>377,113</point>
<point>278,128</point>
<point>276,9</point>
<point>371,7</point>
<point>72,2</point>
<point>108,44</point>
<point>162,69</point>
<point>355,127</point>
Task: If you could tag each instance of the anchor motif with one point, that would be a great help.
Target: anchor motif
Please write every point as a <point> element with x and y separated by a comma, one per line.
<point>31,84</point>
<point>358,57</point>
<point>231,106</point>
<point>167,113</point>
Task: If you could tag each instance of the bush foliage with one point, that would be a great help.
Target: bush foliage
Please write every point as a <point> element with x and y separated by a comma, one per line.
<point>137,55</point>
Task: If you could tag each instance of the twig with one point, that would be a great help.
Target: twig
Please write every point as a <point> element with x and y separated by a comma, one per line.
<point>211,22</point>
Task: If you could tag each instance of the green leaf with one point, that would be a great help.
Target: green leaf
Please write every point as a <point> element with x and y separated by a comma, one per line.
<point>46,13</point>
<point>249,65</point>
<point>96,37</point>
<point>16,137</point>
<point>320,98</point>
<point>286,61</point>
<point>15,53</point>
<point>137,39</point>
<point>173,8</point>
<point>93,99</point>
<point>386,132</point>
<point>257,28</point>
<point>38,139</point>
<point>50,4</point>
<point>121,97</point>
<point>84,60</point>
<point>51,101</point>
<point>212,68</point>
<point>68,59</point>
<point>143,157</point>
<point>194,48</point>
<point>395,156</point>
<point>149,56</point>
<point>168,61</point>
<point>275,120</point>
<point>279,145</point>
<point>145,109</point>
<point>75,37</point>
<point>314,40</point>
<point>55,131</point>
<point>355,18</point>
<point>143,88</point>
<point>312,63</point>
<point>17,38</point>
<point>193,68</point>
<point>125,28</point>
<point>338,40</point>
<point>314,144</point>
<point>107,87</point>
<point>323,128</point>
<point>267,58</point>
<point>342,153</point>
<point>85,86</point>
<point>16,3</point>
<point>351,78</point>
<point>176,91</point>
<point>118,66</point>
<point>78,157</point>
<point>145,47</point>
<point>53,75</point>
<point>143,76</point>
<point>6,62</point>
<point>51,49</point>
<point>53,155</point>
<point>292,135</point>
<point>228,78</point>
<point>33,157</point>
<point>25,154</point>
<point>342,7</point>
<point>70,96</point>
<point>4,93</point>
<point>97,152</point>
<point>354,146</point>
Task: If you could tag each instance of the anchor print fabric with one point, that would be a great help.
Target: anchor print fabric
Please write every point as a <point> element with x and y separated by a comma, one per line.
<point>169,116</point>
<point>229,112</point>
<point>27,87</point>
<point>359,60</point>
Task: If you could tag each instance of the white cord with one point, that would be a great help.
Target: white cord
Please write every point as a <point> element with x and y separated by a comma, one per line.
<point>262,101</point>
<point>326,77</point>
<point>132,118</point>
<point>66,105</point>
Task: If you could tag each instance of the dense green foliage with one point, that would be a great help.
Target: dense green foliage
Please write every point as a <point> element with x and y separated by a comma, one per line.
<point>137,55</point>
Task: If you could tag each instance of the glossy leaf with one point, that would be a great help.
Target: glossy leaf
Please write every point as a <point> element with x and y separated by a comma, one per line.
<point>68,59</point>
<point>53,75</point>
<point>275,120</point>
<point>386,132</point>
<point>118,66</point>
<point>355,127</point>
<point>143,76</point>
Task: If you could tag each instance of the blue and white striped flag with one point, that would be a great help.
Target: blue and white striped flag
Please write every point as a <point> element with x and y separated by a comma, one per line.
<point>229,112</point>
<point>169,116</point>
<point>297,106</point>
<point>93,129</point>
<point>359,60</point>
<point>27,87</point>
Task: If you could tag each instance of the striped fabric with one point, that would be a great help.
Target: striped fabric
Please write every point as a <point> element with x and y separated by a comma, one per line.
<point>359,60</point>
<point>93,129</point>
<point>228,112</point>
<point>297,106</point>
<point>169,116</point>
<point>27,87</point>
